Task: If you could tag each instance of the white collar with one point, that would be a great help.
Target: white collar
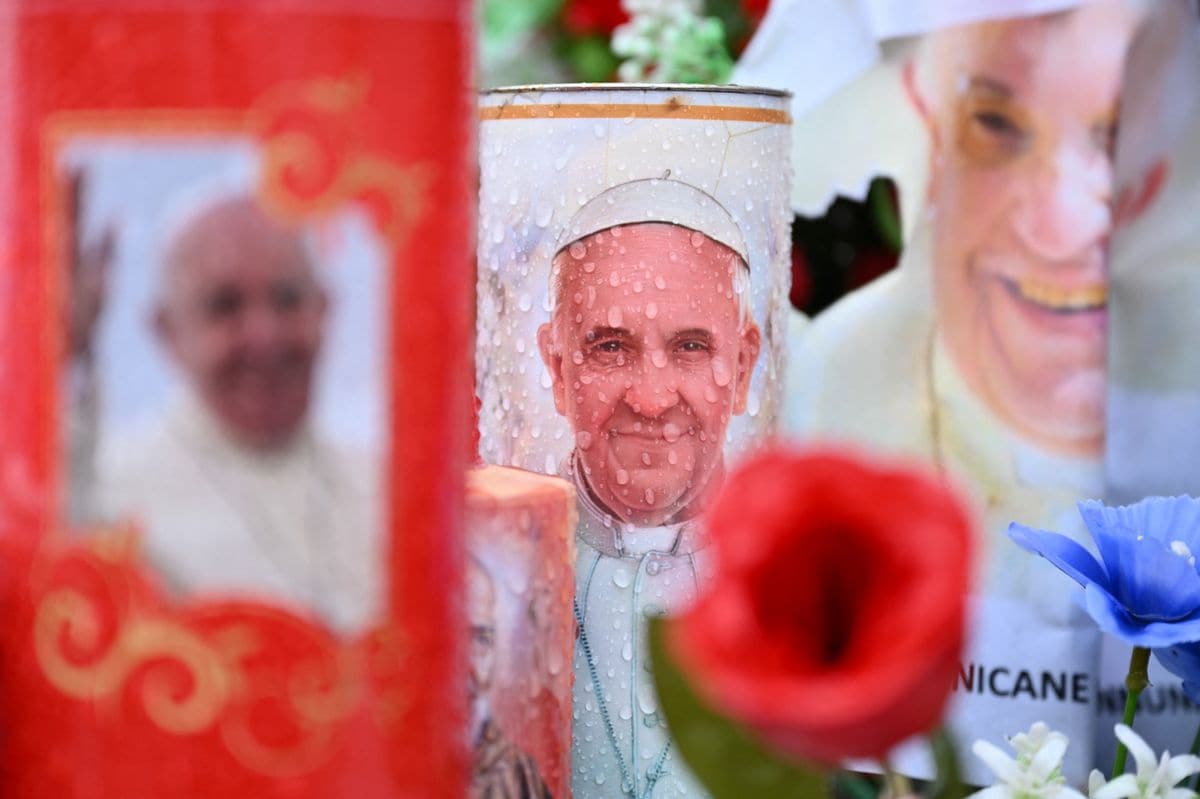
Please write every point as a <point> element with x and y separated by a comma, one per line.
<point>615,538</point>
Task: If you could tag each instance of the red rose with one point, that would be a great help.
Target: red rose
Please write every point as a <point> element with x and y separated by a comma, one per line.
<point>834,623</point>
<point>582,17</point>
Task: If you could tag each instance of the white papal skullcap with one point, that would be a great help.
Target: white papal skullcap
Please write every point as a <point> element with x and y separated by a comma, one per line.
<point>655,200</point>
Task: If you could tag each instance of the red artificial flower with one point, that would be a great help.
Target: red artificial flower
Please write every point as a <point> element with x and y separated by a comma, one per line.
<point>835,621</point>
<point>582,17</point>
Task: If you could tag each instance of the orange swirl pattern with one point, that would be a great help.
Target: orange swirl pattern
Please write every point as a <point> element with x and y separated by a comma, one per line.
<point>314,161</point>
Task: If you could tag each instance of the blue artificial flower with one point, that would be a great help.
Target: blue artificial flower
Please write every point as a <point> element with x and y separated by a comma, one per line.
<point>1183,660</point>
<point>1144,588</point>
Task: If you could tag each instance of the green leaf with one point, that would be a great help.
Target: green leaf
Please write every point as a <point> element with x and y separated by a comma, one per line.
<point>589,57</point>
<point>730,763</point>
<point>949,783</point>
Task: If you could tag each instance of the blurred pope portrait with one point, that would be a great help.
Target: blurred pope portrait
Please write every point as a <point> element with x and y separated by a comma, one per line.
<point>499,770</point>
<point>232,484</point>
<point>650,348</point>
<point>985,350</point>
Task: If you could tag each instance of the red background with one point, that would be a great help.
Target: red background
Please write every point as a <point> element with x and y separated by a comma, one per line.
<point>414,59</point>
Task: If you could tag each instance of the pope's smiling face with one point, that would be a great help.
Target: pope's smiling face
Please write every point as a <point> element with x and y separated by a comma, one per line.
<point>1023,116</point>
<point>649,358</point>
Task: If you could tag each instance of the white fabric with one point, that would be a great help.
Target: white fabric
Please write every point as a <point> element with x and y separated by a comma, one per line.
<point>624,573</point>
<point>299,526</point>
<point>655,200</point>
<point>871,371</point>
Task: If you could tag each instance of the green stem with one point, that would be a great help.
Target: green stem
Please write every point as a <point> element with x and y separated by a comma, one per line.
<point>1135,682</point>
<point>1196,751</point>
<point>897,784</point>
<point>855,786</point>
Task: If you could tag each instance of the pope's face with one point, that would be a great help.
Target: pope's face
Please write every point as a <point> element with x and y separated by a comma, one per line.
<point>242,316</point>
<point>481,613</point>
<point>1023,117</point>
<point>649,360</point>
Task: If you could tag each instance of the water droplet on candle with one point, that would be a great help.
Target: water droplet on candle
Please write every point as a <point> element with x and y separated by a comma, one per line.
<point>722,374</point>
<point>622,477</point>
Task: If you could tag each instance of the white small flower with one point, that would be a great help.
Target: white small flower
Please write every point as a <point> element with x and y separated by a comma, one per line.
<point>1028,744</point>
<point>1036,772</point>
<point>1155,778</point>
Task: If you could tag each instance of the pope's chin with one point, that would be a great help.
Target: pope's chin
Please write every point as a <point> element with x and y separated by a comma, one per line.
<point>1045,364</point>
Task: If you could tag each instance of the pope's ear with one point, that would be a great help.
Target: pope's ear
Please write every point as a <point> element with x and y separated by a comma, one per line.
<point>163,327</point>
<point>552,357</point>
<point>919,96</point>
<point>747,358</point>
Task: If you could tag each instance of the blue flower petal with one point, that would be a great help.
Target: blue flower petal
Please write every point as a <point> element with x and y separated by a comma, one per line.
<point>1148,579</point>
<point>1164,518</point>
<point>1183,661</point>
<point>1078,564</point>
<point>1103,531</point>
<point>1112,618</point>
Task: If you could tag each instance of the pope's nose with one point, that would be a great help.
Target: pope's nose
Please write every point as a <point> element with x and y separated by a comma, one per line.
<point>1066,206</point>
<point>651,394</point>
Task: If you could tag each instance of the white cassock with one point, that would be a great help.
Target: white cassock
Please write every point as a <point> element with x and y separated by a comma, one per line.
<point>623,574</point>
<point>299,525</point>
<point>872,371</point>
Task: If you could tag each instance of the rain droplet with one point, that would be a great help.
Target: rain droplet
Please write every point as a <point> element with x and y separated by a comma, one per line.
<point>672,458</point>
<point>577,358</point>
<point>542,214</point>
<point>671,432</point>
<point>651,310</point>
<point>627,651</point>
<point>524,302</point>
<point>622,477</point>
<point>621,578</point>
<point>614,316</point>
<point>657,357</point>
<point>497,234</point>
<point>589,266</point>
<point>649,497</point>
<point>614,279</point>
<point>647,702</point>
<point>577,298</point>
<point>749,205</point>
<point>583,439</point>
<point>722,374</point>
<point>697,239</point>
<point>646,458</point>
<point>659,282</point>
<point>577,250</point>
<point>710,394</point>
<point>626,714</point>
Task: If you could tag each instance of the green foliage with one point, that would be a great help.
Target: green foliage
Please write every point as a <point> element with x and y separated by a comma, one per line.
<point>503,19</point>
<point>588,58</point>
<point>949,784</point>
<point>730,763</point>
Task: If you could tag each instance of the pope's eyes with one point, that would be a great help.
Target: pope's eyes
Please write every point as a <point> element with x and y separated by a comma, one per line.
<point>997,123</point>
<point>693,346</point>
<point>612,346</point>
<point>992,132</point>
